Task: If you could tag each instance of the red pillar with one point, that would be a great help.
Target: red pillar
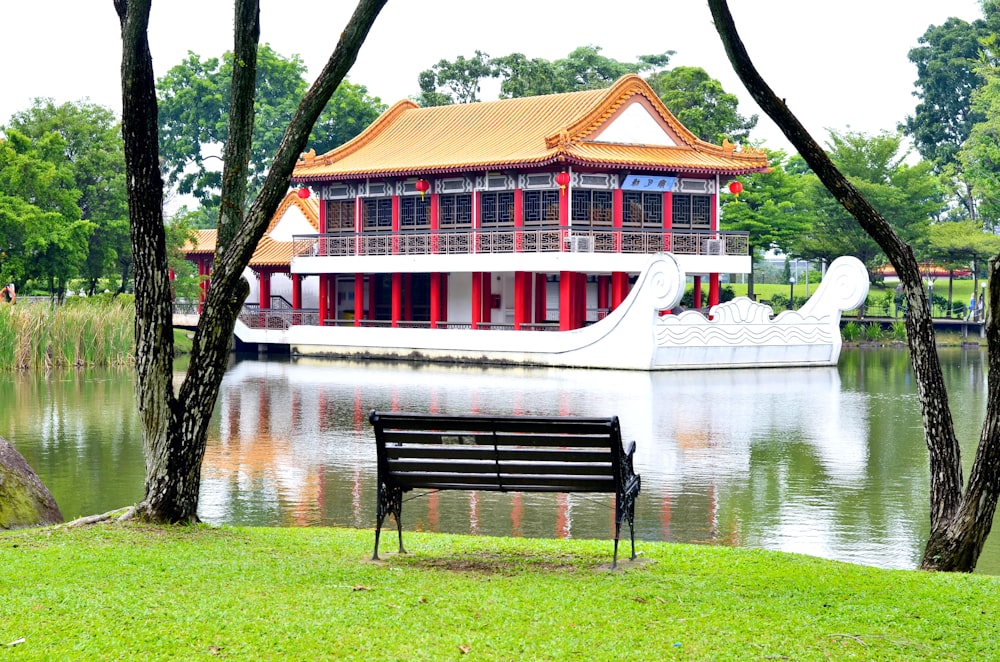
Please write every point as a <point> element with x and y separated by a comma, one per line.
<point>713,290</point>
<point>395,224</point>
<point>359,298</point>
<point>581,300</point>
<point>477,299</point>
<point>435,222</point>
<point>435,299</point>
<point>617,217</point>
<point>697,292</point>
<point>322,300</point>
<point>565,300</point>
<point>519,299</point>
<point>668,221</point>
<point>487,303</point>
<point>296,291</point>
<point>264,299</point>
<point>518,222</point>
<point>397,298</point>
<point>619,288</point>
<point>541,285</point>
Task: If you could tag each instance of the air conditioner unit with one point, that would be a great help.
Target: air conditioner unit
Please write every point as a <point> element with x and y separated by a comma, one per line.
<point>714,247</point>
<point>581,244</point>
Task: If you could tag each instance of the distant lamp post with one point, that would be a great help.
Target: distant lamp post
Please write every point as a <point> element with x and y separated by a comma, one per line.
<point>791,293</point>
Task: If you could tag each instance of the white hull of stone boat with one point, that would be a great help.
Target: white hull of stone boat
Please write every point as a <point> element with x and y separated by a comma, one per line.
<point>635,336</point>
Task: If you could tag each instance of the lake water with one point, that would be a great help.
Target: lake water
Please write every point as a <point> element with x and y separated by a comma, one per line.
<point>824,461</point>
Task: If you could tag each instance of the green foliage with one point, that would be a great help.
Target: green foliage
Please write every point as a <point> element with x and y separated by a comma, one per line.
<point>701,105</point>
<point>92,148</point>
<point>874,332</point>
<point>85,331</point>
<point>908,196</point>
<point>898,331</point>
<point>42,235</point>
<point>851,331</point>
<point>585,68</point>
<point>194,118</point>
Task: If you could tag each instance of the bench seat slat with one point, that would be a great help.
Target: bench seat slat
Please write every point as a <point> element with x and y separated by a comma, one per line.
<point>488,453</point>
<point>397,467</point>
<point>511,483</point>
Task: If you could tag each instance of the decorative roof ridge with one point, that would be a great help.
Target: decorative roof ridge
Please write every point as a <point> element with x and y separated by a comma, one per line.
<point>308,207</point>
<point>357,142</point>
<point>623,90</point>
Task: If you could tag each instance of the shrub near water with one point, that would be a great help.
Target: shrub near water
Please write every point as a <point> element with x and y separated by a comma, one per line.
<point>83,332</point>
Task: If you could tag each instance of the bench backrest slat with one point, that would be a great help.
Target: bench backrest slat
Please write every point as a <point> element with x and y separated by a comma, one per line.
<point>511,453</point>
<point>501,439</point>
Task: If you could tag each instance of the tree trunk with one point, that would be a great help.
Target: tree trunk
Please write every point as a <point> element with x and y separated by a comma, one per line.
<point>174,427</point>
<point>959,523</point>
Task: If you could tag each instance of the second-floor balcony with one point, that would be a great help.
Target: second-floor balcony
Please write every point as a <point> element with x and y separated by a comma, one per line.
<point>522,240</point>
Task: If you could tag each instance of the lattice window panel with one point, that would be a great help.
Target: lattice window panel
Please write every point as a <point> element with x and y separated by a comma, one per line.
<point>414,213</point>
<point>642,210</point>
<point>701,211</point>
<point>455,211</point>
<point>681,212</point>
<point>541,207</point>
<point>339,215</point>
<point>592,208</point>
<point>376,214</point>
<point>496,209</point>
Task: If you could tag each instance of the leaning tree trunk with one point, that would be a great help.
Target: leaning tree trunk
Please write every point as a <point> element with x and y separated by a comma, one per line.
<point>959,523</point>
<point>174,427</point>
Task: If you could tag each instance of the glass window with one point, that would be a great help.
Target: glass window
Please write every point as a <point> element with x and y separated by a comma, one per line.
<point>692,211</point>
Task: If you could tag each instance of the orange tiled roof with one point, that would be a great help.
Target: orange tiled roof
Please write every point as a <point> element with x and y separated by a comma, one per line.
<point>531,131</point>
<point>309,207</point>
<point>269,253</point>
<point>203,242</point>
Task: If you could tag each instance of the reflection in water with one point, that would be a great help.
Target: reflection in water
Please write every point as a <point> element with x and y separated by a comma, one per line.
<point>825,461</point>
<point>770,458</point>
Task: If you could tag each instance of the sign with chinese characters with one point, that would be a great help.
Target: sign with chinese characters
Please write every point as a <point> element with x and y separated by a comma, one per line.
<point>648,183</point>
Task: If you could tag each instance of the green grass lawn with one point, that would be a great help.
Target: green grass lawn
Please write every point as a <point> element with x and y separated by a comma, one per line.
<point>140,592</point>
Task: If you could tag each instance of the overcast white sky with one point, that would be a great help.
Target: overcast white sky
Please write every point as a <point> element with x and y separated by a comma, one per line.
<point>838,64</point>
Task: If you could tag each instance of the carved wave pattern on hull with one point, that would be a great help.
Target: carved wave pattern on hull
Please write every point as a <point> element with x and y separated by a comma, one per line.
<point>737,336</point>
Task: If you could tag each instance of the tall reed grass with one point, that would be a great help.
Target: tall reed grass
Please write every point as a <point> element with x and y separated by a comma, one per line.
<point>40,336</point>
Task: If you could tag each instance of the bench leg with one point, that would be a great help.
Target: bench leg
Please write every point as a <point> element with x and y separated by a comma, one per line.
<point>390,500</point>
<point>625,510</point>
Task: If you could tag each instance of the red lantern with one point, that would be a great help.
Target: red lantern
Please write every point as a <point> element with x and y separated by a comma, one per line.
<point>563,179</point>
<point>423,186</point>
<point>303,193</point>
<point>736,188</point>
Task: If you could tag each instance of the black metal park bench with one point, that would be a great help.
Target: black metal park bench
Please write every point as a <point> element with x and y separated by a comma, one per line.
<point>502,454</point>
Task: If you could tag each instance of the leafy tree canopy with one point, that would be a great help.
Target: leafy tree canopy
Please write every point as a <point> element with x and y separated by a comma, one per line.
<point>700,103</point>
<point>583,69</point>
<point>92,148</point>
<point>908,196</point>
<point>194,118</point>
<point>697,100</point>
<point>980,154</point>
